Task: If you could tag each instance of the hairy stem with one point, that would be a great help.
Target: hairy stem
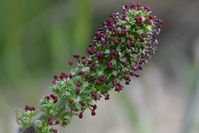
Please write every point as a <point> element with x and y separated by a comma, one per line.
<point>31,129</point>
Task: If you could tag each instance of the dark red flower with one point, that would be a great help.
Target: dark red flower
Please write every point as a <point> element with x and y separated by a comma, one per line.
<point>29,108</point>
<point>93,113</point>
<point>94,107</point>
<point>71,62</point>
<point>78,84</point>
<point>81,115</point>
<point>99,54</point>
<point>70,100</point>
<point>90,50</point>
<point>77,91</point>
<point>76,56</point>
<point>118,87</point>
<point>57,122</point>
<point>138,20</point>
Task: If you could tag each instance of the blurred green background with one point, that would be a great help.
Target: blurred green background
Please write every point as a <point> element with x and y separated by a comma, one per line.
<point>37,38</point>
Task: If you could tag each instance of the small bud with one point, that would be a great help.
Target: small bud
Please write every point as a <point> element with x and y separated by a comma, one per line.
<point>49,118</point>
<point>57,122</point>
<point>47,97</point>
<point>115,41</point>
<point>94,107</point>
<point>83,61</point>
<point>29,108</point>
<point>73,108</point>
<point>70,62</point>
<point>55,77</point>
<point>99,54</point>
<point>54,97</point>
<point>138,20</point>
<point>78,84</point>
<point>80,72</point>
<point>90,62</point>
<point>70,100</point>
<point>81,115</point>
<point>77,91</point>
<point>93,113</point>
<point>90,50</point>
<point>50,122</point>
<point>107,97</point>
<point>83,104</point>
<point>76,56</point>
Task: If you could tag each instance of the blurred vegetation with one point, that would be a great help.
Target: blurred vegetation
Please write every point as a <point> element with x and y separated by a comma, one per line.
<point>38,37</point>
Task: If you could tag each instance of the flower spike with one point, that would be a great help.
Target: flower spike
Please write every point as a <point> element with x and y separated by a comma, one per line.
<point>118,52</point>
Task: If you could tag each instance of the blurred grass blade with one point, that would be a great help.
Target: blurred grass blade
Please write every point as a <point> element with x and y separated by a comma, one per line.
<point>81,24</point>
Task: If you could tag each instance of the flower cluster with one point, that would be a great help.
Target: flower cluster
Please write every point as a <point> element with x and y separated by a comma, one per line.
<point>118,52</point>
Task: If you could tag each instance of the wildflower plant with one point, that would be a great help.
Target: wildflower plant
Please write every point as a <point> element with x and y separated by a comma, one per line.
<point>118,52</point>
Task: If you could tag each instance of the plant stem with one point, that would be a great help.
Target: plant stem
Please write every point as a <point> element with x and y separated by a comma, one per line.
<point>31,129</point>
